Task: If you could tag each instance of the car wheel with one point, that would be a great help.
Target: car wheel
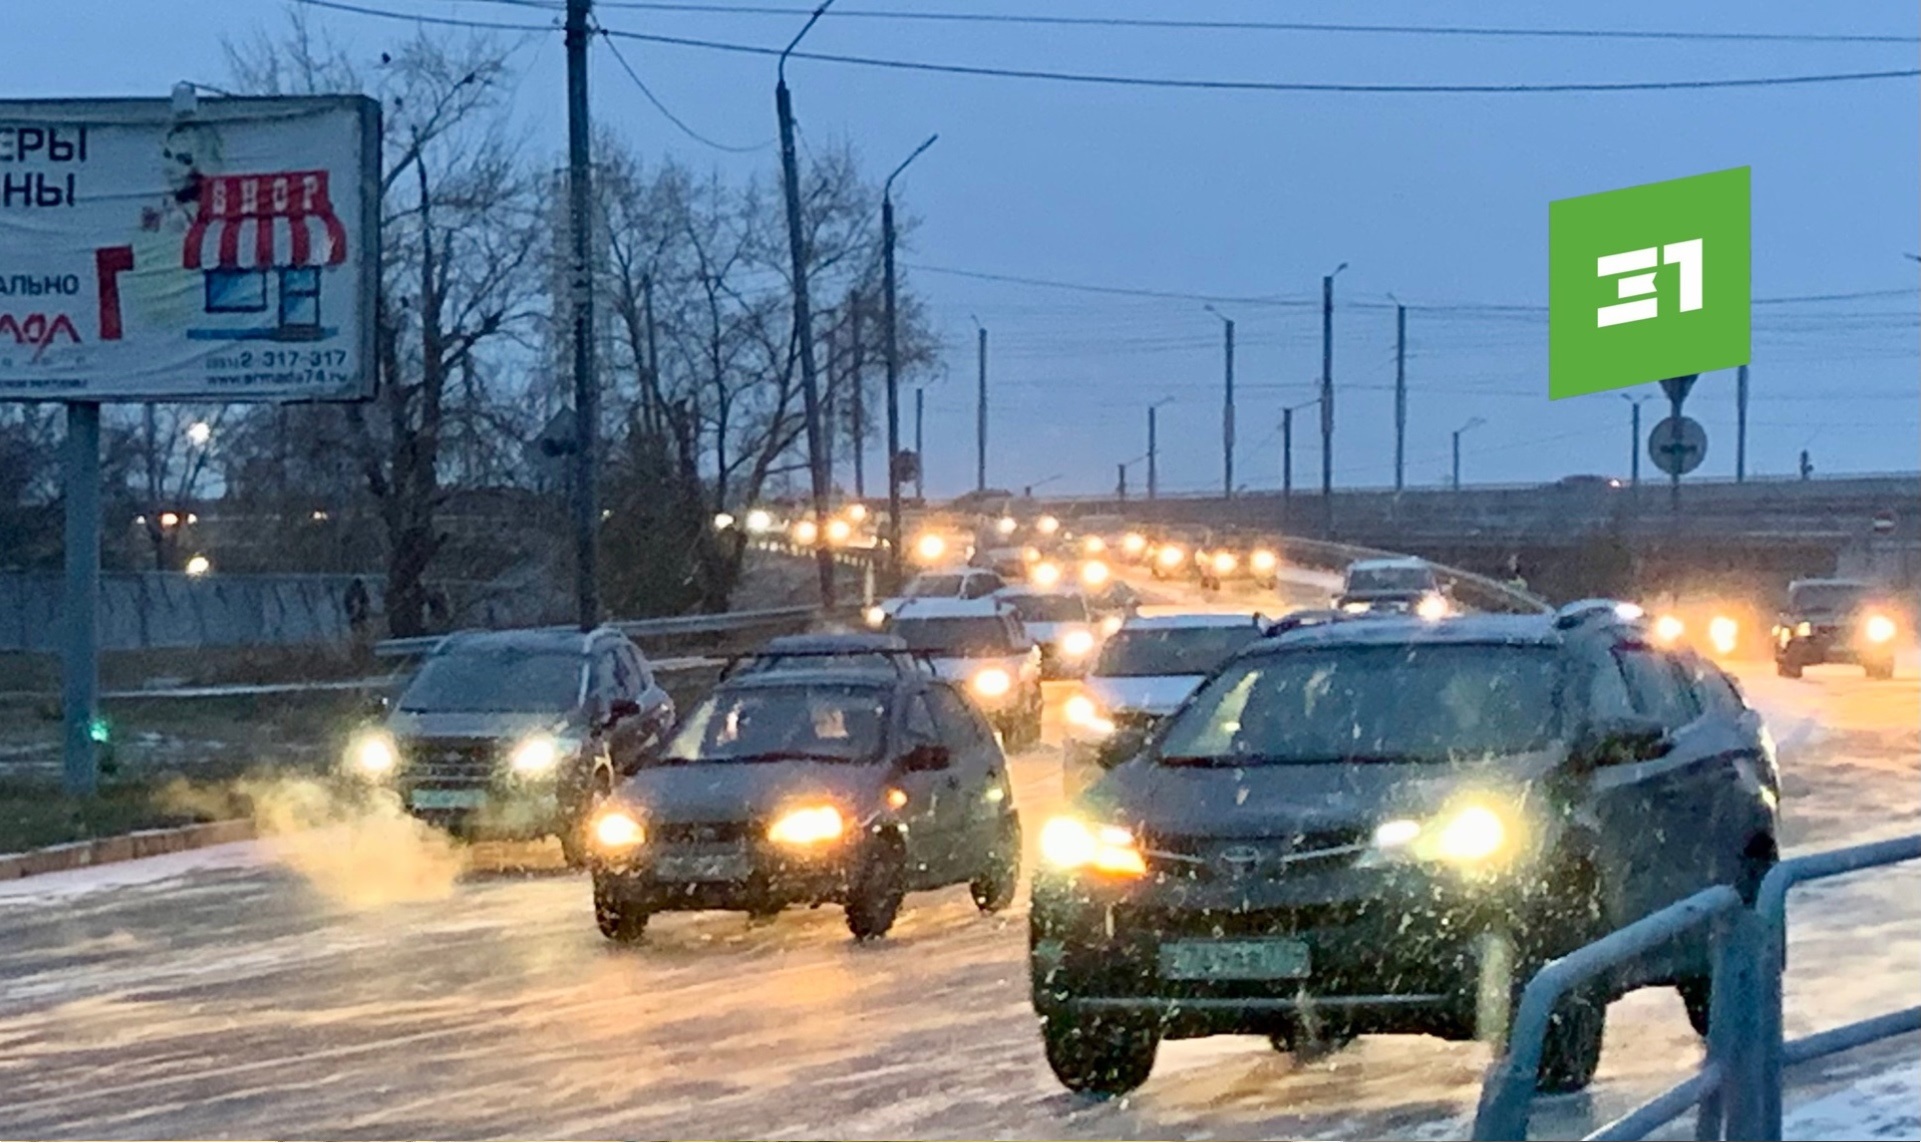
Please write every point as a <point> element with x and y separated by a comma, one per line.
<point>1789,668</point>
<point>994,888</point>
<point>573,849</point>
<point>1571,1049</point>
<point>622,922</point>
<point>1101,1055</point>
<point>1880,670</point>
<point>1307,1050</point>
<point>873,900</point>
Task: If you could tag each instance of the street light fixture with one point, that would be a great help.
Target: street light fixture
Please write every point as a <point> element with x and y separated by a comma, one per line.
<point>1327,402</point>
<point>1475,423</point>
<point>893,362</point>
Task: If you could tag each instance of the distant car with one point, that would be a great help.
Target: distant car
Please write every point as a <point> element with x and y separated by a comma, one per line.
<point>1143,671</point>
<point>1388,826</point>
<point>514,733</point>
<point>1583,481</point>
<point>834,786</point>
<point>853,651</point>
<point>945,583</point>
<point>1835,621</point>
<point>982,646</point>
<point>1062,623</point>
<point>1400,583</point>
<point>1007,562</point>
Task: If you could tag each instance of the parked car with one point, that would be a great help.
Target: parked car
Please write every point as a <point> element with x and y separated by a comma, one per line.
<point>980,645</point>
<point>1388,826</point>
<point>1061,623</point>
<point>832,786</point>
<point>513,733</point>
<point>1835,621</point>
<point>1144,671</point>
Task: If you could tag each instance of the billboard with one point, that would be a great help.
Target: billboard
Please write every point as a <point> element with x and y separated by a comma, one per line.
<point>229,253</point>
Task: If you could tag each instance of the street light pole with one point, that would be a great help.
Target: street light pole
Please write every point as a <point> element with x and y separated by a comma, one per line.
<point>893,365</point>
<point>1227,405</point>
<point>980,414</point>
<point>1327,403</point>
<point>586,387</point>
<point>803,317</point>
<point>1634,444</point>
<point>1473,424</point>
<point>1154,449</point>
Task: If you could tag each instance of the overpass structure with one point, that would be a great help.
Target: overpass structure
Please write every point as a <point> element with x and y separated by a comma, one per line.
<point>1576,539</point>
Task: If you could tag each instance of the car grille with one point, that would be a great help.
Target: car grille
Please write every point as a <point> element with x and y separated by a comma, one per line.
<point>1216,859</point>
<point>441,763</point>
<point>700,833</point>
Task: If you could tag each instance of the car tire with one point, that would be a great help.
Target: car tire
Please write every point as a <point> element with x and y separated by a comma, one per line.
<point>1789,668</point>
<point>1102,1056</point>
<point>1571,1049</point>
<point>879,886</point>
<point>1879,670</point>
<point>573,848</point>
<point>994,889</point>
<point>621,922</point>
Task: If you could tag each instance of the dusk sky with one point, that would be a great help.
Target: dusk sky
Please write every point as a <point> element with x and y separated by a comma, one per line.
<point>1439,199</point>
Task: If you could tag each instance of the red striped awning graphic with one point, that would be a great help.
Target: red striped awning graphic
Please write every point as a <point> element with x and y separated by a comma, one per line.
<point>261,222</point>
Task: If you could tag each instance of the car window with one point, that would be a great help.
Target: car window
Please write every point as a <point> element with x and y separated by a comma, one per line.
<point>496,679</point>
<point>1608,691</point>
<point>921,727</point>
<point>1016,634</point>
<point>626,680</point>
<point>1713,689</point>
<point>820,722</point>
<point>960,723</point>
<point>1656,686</point>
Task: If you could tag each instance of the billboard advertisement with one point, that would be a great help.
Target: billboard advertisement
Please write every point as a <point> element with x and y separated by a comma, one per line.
<point>227,253</point>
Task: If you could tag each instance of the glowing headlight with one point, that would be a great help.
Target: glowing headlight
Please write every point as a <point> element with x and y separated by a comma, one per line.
<point>1224,562</point>
<point>809,826</point>
<point>1432,607</point>
<point>723,521</point>
<point>1354,607</point>
<point>992,683</point>
<point>760,520</point>
<point>1474,834</point>
<point>1669,628</point>
<point>1006,525</point>
<point>1263,561</point>
<point>1069,843</point>
<point>1111,624</point>
<point>930,548</point>
<point>373,755</point>
<point>1093,545</point>
<point>1082,711</point>
<point>1878,629</point>
<point>537,754</point>
<point>1628,612</point>
<point>1171,556</point>
<point>1076,643</point>
<point>1397,833</point>
<point>839,531</point>
<point>616,830</point>
<point>806,532</point>
<point>1047,525</point>
<point>1046,574</point>
<point>1723,633</point>
<point>1133,543</point>
<point>857,512</point>
<point>875,615</point>
<point>1094,573</point>
<point>1804,629</point>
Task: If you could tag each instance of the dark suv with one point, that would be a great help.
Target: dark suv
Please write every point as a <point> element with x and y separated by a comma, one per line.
<point>1835,621</point>
<point>1387,827</point>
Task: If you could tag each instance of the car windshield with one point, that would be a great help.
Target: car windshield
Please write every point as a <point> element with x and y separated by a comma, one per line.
<point>849,660</point>
<point>1389,579</point>
<point>935,585</point>
<point>965,636</point>
<point>814,722</point>
<point>1828,596</point>
<point>1433,703</point>
<point>1170,650</point>
<point>1050,608</point>
<point>496,680</point>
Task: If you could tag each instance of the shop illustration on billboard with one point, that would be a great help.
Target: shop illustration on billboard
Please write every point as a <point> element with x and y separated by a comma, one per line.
<point>263,243</point>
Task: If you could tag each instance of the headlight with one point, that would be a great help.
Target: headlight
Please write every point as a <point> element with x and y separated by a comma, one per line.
<point>1804,629</point>
<point>1133,543</point>
<point>1878,629</point>
<point>839,531</point>
<point>1046,574</point>
<point>1628,612</point>
<point>1076,643</point>
<point>806,532</point>
<point>373,755</point>
<point>1171,556</point>
<point>1263,561</point>
<point>536,755</point>
<point>930,548</point>
<point>1086,714</point>
<point>1068,843</point>
<point>1111,624</point>
<point>1006,525</point>
<point>1095,573</point>
<point>760,520</point>
<point>992,683</point>
<point>1354,607</point>
<point>1432,607</point>
<point>1472,835</point>
<point>811,825</point>
<point>1669,628</point>
<point>1093,545</point>
<point>617,830</point>
<point>1224,563</point>
<point>1047,525</point>
<point>1723,633</point>
<point>875,615</point>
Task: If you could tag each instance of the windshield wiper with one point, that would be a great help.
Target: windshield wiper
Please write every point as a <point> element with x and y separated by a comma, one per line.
<point>787,756</point>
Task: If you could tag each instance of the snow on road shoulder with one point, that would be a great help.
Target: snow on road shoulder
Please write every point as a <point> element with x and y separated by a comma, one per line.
<point>1884,1106</point>
<point>51,887</point>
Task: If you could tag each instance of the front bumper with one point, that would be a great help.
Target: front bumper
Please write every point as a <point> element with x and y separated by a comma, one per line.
<point>741,874</point>
<point>508,814</point>
<point>1058,664</point>
<point>1832,646</point>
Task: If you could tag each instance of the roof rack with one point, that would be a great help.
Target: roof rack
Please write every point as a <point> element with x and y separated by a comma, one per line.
<point>1585,611</point>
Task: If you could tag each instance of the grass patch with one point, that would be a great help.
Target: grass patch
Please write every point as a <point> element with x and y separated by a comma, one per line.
<point>35,812</point>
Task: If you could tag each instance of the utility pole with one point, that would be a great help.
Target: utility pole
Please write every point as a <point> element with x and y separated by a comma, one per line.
<point>920,451</point>
<point>1741,425</point>
<point>803,317</point>
<point>1400,396</point>
<point>1327,403</point>
<point>980,419</point>
<point>1227,404</point>
<point>857,408</point>
<point>1287,464</point>
<point>1121,488</point>
<point>586,386</point>
<point>1154,449</point>
<point>650,415</point>
<point>1634,445</point>
<point>893,372</point>
<point>1475,423</point>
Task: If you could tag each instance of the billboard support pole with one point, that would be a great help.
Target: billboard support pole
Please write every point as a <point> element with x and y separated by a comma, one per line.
<point>80,770</point>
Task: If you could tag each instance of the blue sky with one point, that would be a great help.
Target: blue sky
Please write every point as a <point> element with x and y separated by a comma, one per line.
<point>1439,199</point>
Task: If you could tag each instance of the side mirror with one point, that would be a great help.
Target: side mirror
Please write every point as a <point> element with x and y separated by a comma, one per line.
<point>1121,745</point>
<point>925,757</point>
<point>621,709</point>
<point>1617,740</point>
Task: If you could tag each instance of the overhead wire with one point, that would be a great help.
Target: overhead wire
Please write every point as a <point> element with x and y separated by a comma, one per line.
<point>676,120</point>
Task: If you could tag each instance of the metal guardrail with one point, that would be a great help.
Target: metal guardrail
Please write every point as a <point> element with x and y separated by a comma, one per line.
<point>666,626</point>
<point>1739,1088</point>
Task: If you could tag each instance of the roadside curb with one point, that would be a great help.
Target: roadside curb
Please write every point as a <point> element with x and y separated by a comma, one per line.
<point>125,847</point>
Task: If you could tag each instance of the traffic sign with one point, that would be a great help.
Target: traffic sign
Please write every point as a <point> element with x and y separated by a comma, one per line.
<point>1678,445</point>
<point>1677,388</point>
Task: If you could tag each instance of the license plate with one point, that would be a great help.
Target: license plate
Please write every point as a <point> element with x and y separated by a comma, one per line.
<point>1234,960</point>
<point>447,799</point>
<point>683,867</point>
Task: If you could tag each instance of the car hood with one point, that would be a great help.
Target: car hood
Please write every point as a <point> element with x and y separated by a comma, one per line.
<point>1384,595</point>
<point>743,791</point>
<point>1289,800</point>
<point>1144,694</point>
<point>472,723</point>
<point>959,670</point>
<point>1053,632</point>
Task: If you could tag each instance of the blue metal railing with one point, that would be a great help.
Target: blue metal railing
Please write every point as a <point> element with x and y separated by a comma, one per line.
<point>1738,1088</point>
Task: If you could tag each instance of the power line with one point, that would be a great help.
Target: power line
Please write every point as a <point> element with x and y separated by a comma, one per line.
<point>417,18</point>
<point>1264,85</point>
<point>1249,25</point>
<point>669,115</point>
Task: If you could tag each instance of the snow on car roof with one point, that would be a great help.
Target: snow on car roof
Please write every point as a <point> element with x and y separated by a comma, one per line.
<point>942,608</point>
<point>1398,630</point>
<point>1189,619</point>
<point>1390,562</point>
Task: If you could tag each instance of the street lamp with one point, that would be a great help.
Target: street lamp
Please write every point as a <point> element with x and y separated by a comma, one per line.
<point>893,362</point>
<point>1153,448</point>
<point>199,433</point>
<point>1634,442</point>
<point>1327,403</point>
<point>803,317</point>
<point>1472,424</point>
<point>1227,404</point>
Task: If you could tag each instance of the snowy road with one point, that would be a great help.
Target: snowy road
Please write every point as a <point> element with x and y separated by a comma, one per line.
<point>358,985</point>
